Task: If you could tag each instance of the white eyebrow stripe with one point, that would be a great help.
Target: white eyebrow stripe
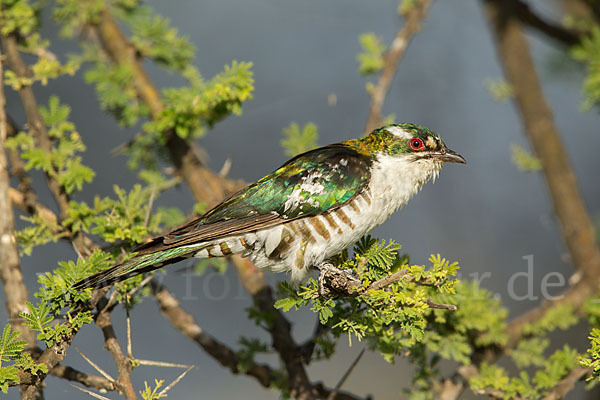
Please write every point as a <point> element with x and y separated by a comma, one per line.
<point>397,131</point>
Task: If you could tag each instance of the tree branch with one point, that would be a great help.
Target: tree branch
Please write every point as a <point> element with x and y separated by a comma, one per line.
<point>92,381</point>
<point>37,127</point>
<point>536,115</point>
<point>209,187</point>
<point>124,366</point>
<point>412,25</point>
<point>186,324</point>
<point>541,130</point>
<point>15,291</point>
<point>567,383</point>
<point>550,29</point>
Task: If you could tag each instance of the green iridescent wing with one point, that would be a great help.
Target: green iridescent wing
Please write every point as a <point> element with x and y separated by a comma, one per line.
<point>308,184</point>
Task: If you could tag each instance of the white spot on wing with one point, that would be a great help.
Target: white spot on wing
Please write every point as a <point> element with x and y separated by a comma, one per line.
<point>309,186</point>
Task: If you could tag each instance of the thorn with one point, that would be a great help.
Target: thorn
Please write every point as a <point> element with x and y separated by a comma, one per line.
<point>129,345</point>
<point>175,382</point>
<point>96,395</point>
<point>225,168</point>
<point>164,364</point>
<point>96,367</point>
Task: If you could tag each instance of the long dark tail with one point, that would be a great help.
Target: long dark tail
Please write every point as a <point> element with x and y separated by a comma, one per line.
<point>135,266</point>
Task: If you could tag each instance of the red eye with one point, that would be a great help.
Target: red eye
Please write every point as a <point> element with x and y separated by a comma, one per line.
<point>417,144</point>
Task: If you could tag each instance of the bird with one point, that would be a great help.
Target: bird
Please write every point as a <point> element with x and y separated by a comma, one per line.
<point>311,208</point>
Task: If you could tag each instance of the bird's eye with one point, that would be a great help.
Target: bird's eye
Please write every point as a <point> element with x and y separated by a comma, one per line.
<point>417,144</point>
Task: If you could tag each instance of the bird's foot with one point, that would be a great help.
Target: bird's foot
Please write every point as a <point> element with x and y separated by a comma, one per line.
<point>336,280</point>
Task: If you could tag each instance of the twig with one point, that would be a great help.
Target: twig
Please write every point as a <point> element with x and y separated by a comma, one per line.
<point>124,366</point>
<point>339,385</point>
<point>186,324</point>
<point>150,203</point>
<point>412,25</point>
<point>553,30</point>
<point>440,306</point>
<point>96,382</point>
<point>342,282</point>
<point>566,384</point>
<point>388,280</point>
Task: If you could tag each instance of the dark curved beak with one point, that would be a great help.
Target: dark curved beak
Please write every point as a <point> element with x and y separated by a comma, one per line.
<point>448,155</point>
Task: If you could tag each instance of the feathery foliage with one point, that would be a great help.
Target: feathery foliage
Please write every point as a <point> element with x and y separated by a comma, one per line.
<point>296,141</point>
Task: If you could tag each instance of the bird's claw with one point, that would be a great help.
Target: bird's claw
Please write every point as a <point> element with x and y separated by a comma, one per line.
<point>329,274</point>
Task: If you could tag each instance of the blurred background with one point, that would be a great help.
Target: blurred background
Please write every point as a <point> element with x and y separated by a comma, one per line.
<point>487,215</point>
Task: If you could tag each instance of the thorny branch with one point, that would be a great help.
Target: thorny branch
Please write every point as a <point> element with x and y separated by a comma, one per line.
<point>576,226</point>
<point>124,366</point>
<point>209,187</point>
<point>342,282</point>
<point>550,29</point>
<point>15,291</point>
<point>412,25</point>
<point>91,381</point>
<point>185,322</point>
<point>37,127</point>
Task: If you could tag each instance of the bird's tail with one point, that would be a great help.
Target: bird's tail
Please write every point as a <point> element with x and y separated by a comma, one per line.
<point>137,265</point>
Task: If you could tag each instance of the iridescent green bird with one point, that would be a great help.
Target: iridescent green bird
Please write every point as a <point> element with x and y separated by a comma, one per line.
<point>311,208</point>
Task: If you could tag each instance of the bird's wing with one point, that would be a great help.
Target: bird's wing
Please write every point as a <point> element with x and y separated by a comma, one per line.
<point>308,184</point>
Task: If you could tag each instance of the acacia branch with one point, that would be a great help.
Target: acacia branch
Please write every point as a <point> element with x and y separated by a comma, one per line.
<point>536,115</point>
<point>567,383</point>
<point>39,131</point>
<point>541,130</point>
<point>211,188</point>
<point>124,366</point>
<point>15,291</point>
<point>187,325</point>
<point>92,381</point>
<point>550,29</point>
<point>412,25</point>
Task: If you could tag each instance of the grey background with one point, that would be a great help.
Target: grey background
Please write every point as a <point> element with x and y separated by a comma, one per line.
<point>487,214</point>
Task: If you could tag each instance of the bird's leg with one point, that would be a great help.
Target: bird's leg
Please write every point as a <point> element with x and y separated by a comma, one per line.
<point>342,281</point>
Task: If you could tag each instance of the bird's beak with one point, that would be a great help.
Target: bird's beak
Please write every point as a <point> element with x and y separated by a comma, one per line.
<point>448,155</point>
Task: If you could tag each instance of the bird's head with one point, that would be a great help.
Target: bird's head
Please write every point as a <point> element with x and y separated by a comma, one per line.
<point>410,142</point>
<point>410,152</point>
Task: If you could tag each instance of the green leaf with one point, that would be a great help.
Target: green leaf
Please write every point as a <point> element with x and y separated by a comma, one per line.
<point>371,60</point>
<point>296,140</point>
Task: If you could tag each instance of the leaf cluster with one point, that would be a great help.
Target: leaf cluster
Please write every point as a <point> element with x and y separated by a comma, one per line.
<point>588,52</point>
<point>296,140</point>
<point>12,352</point>
<point>556,367</point>
<point>63,161</point>
<point>371,59</point>
<point>392,318</point>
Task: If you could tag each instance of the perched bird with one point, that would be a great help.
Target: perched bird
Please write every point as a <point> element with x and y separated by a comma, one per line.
<point>311,208</point>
